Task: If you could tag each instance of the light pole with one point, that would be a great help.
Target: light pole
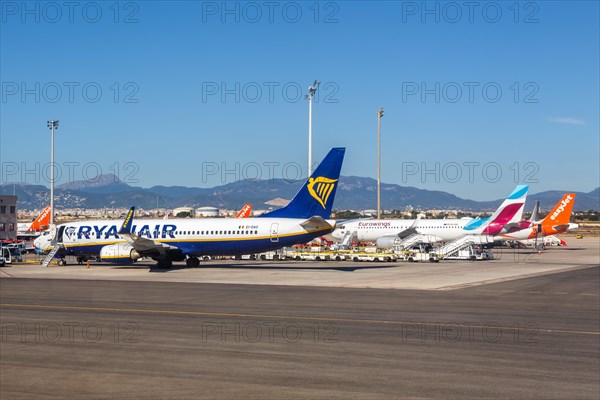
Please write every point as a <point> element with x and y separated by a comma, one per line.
<point>52,125</point>
<point>311,92</point>
<point>379,115</point>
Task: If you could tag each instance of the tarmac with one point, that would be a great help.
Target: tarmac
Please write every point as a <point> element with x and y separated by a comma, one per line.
<point>526,326</point>
<point>446,275</point>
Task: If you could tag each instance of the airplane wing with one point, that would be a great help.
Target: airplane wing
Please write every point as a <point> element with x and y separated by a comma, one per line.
<point>407,232</point>
<point>412,229</point>
<point>315,223</point>
<point>140,244</point>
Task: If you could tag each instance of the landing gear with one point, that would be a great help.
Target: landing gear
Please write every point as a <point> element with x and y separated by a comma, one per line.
<point>192,262</point>
<point>61,262</point>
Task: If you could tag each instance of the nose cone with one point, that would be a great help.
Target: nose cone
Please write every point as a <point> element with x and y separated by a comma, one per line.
<point>337,234</point>
<point>40,243</point>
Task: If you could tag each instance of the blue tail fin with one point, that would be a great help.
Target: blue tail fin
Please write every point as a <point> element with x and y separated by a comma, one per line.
<point>316,196</point>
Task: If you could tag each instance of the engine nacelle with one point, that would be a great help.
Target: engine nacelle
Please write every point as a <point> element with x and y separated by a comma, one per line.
<point>388,241</point>
<point>119,253</point>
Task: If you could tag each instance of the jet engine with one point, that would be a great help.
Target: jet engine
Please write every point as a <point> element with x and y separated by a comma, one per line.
<point>119,253</point>
<point>387,241</point>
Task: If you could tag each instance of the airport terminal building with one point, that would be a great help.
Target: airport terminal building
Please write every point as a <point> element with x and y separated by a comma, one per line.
<point>8,217</point>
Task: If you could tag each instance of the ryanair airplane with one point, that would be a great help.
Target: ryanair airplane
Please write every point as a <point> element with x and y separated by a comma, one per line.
<point>306,217</point>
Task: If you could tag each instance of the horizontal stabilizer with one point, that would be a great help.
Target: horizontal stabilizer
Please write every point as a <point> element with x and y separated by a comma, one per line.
<point>315,223</point>
<point>561,228</point>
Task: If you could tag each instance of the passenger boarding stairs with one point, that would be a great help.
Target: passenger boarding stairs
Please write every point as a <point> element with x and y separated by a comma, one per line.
<point>56,244</point>
<point>412,240</point>
<point>348,238</point>
<point>451,249</point>
<point>51,254</point>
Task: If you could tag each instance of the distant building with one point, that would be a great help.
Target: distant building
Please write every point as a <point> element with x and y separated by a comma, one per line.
<point>183,211</point>
<point>8,217</point>
<point>207,212</point>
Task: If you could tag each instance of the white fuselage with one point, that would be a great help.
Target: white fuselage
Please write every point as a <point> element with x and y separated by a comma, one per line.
<point>371,230</point>
<point>219,236</point>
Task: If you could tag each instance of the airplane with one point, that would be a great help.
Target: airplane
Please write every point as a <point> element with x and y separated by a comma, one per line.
<point>306,217</point>
<point>245,212</point>
<point>34,228</point>
<point>557,221</point>
<point>387,232</point>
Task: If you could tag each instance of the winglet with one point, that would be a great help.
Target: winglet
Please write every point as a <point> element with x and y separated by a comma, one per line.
<point>127,223</point>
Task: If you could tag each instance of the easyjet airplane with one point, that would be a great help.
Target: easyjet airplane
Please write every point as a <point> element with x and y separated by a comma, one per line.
<point>557,221</point>
<point>306,217</point>
<point>245,212</point>
<point>34,228</point>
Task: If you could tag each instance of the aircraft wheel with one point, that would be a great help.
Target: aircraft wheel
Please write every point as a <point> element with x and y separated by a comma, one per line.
<point>410,259</point>
<point>62,262</point>
<point>192,262</point>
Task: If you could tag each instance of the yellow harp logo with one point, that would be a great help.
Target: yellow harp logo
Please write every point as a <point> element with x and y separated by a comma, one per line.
<point>324,187</point>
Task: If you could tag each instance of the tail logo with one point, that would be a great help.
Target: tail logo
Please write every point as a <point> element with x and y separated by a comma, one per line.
<point>127,219</point>
<point>323,190</point>
<point>561,207</point>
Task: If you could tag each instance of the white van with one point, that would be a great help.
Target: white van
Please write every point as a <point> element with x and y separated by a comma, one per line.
<point>5,257</point>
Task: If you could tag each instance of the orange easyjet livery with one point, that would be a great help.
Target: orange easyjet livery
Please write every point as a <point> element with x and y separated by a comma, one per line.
<point>39,224</point>
<point>557,221</point>
<point>245,211</point>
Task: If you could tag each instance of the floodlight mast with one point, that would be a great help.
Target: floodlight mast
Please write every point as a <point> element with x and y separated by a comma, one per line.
<point>379,116</point>
<point>311,92</point>
<point>52,125</point>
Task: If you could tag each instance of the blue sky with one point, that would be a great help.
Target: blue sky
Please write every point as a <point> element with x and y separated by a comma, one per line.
<point>202,93</point>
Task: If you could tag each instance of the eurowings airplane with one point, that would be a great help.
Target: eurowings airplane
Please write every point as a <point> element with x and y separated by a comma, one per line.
<point>557,221</point>
<point>303,219</point>
<point>386,232</point>
<point>39,224</point>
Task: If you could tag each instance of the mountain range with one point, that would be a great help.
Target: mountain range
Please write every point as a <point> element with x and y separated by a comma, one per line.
<point>354,193</point>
